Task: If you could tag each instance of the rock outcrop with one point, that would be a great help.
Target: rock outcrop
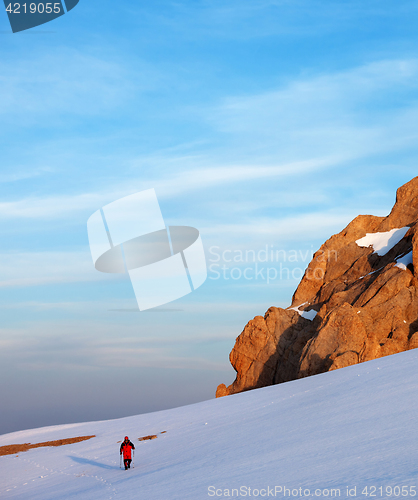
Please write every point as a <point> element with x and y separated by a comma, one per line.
<point>357,301</point>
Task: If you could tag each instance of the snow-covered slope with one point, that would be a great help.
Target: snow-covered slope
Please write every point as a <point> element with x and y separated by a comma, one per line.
<point>355,427</point>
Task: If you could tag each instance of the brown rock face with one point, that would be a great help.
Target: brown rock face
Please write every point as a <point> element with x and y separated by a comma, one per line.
<point>366,306</point>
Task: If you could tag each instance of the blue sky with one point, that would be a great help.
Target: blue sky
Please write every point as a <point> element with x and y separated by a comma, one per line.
<point>258,122</point>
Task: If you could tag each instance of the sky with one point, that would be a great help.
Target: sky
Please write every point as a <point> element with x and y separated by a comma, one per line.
<point>266,125</point>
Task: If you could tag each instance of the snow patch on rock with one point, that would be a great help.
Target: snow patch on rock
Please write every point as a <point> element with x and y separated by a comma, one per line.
<point>305,314</point>
<point>404,261</point>
<point>383,242</point>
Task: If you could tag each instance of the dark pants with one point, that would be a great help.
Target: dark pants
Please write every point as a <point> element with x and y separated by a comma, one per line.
<point>127,462</point>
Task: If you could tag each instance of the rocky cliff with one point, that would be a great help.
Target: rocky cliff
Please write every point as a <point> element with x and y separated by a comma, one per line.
<point>357,301</point>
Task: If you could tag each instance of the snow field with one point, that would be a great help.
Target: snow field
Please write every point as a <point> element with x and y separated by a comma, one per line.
<point>354,427</point>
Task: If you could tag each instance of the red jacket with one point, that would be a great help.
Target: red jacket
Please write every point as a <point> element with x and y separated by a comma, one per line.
<point>126,448</point>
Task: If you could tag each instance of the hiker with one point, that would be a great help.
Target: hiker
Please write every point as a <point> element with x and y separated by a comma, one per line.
<point>126,448</point>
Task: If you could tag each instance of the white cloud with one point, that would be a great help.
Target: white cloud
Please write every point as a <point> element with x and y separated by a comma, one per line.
<point>300,228</point>
<point>23,174</point>
<point>197,179</point>
<point>249,19</point>
<point>186,181</point>
<point>344,115</point>
<point>44,268</point>
<point>49,207</point>
<point>61,83</point>
<point>49,351</point>
<point>307,126</point>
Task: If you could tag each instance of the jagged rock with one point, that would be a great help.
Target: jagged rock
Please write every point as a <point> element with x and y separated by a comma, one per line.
<point>366,306</point>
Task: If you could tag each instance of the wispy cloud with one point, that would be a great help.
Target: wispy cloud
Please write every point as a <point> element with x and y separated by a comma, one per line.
<point>323,122</point>
<point>330,115</point>
<point>310,125</point>
<point>174,185</point>
<point>62,83</point>
<point>295,228</point>
<point>250,19</point>
<point>24,174</point>
<point>50,351</point>
<point>204,178</point>
<point>51,207</point>
<point>42,268</point>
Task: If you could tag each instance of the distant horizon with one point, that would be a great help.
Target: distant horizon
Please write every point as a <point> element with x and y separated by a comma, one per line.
<point>261,124</point>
